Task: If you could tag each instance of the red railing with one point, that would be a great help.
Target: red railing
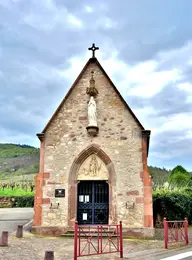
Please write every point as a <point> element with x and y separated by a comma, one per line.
<point>97,240</point>
<point>175,231</point>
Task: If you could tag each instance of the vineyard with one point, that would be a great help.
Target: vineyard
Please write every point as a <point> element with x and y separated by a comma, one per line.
<point>9,188</point>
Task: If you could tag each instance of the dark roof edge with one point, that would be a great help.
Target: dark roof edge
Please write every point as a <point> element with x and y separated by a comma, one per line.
<point>147,134</point>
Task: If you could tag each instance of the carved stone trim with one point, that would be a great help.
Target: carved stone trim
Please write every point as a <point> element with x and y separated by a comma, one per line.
<point>93,168</point>
<point>92,130</point>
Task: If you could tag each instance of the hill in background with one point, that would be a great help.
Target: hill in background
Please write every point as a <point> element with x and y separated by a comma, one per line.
<point>158,175</point>
<point>18,161</point>
<point>22,162</point>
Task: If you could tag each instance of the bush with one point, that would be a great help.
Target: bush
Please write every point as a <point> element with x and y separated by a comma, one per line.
<point>23,202</point>
<point>174,205</point>
<point>179,176</point>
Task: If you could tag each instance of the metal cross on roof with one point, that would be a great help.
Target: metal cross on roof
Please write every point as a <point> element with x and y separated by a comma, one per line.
<point>93,49</point>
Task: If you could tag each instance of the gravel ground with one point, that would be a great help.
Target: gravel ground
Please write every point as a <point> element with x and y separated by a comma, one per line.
<point>33,247</point>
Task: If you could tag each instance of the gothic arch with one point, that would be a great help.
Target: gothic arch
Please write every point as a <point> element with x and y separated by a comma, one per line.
<point>72,196</point>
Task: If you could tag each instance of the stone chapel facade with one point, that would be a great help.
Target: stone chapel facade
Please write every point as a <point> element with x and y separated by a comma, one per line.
<point>93,161</point>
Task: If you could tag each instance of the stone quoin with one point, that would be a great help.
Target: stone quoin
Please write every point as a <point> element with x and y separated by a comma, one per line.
<point>93,163</point>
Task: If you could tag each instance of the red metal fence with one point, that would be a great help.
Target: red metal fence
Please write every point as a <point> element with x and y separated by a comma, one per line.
<point>97,240</point>
<point>175,231</point>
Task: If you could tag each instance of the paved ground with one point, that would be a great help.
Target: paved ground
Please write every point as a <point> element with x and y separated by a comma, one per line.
<point>33,247</point>
<point>11,217</point>
<point>175,254</point>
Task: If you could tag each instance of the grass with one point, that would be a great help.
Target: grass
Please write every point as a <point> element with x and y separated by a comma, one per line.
<point>16,177</point>
<point>15,192</point>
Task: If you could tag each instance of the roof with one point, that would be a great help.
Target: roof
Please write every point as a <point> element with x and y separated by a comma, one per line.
<point>92,60</point>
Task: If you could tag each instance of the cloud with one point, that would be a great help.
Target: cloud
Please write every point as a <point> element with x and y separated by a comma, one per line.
<point>75,21</point>
<point>88,9</point>
<point>43,48</point>
<point>49,16</point>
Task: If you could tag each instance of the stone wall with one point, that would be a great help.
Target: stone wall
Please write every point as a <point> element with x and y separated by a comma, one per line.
<point>6,202</point>
<point>119,137</point>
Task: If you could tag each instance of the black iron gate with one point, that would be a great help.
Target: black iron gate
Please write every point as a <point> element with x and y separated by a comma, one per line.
<point>93,202</point>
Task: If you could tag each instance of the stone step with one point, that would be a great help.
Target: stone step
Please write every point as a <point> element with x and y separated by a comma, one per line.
<point>67,235</point>
<point>85,236</point>
<point>91,231</point>
<point>70,233</point>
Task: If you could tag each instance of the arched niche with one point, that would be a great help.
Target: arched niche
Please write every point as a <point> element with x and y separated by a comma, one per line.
<point>92,169</point>
<point>83,161</point>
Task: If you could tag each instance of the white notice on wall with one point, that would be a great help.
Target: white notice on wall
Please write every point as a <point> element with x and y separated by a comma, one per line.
<point>84,216</point>
<point>81,198</point>
<point>86,198</point>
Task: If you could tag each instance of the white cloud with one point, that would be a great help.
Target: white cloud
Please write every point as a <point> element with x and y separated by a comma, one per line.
<point>40,22</point>
<point>1,74</point>
<point>179,122</point>
<point>76,64</point>
<point>144,114</point>
<point>18,138</point>
<point>88,9</point>
<point>165,156</point>
<point>104,23</point>
<point>189,134</point>
<point>153,82</point>
<point>186,86</point>
<point>47,16</point>
<point>42,16</point>
<point>75,21</point>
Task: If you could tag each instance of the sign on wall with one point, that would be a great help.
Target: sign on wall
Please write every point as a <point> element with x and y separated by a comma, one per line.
<point>59,193</point>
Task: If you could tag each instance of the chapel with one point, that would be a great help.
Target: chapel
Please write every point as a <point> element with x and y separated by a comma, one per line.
<point>93,161</point>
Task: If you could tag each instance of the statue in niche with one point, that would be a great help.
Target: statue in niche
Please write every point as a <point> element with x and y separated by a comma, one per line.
<point>93,167</point>
<point>92,114</point>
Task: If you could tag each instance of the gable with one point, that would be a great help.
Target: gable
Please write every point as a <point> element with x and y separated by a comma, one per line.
<point>92,62</point>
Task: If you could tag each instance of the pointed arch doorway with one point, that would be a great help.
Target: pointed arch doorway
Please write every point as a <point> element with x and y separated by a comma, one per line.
<point>92,184</point>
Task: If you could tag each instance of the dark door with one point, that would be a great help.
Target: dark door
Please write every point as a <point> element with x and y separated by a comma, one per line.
<point>93,202</point>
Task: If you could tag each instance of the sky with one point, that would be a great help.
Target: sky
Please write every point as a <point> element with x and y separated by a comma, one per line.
<point>145,47</point>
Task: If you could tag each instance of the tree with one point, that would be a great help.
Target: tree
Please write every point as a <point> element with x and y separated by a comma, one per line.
<point>179,176</point>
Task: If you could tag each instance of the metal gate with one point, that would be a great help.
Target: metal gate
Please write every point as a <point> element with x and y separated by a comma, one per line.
<point>175,231</point>
<point>93,203</point>
<point>98,240</point>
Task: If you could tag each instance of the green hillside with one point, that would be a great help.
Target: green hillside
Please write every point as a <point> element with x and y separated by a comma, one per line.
<point>158,175</point>
<point>18,160</point>
<point>16,150</point>
<point>22,162</point>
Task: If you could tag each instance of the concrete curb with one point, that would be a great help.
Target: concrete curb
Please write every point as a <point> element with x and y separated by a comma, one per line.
<point>26,227</point>
<point>159,253</point>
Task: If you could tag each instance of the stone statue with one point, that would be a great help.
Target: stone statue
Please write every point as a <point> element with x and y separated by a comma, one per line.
<point>92,114</point>
<point>93,167</point>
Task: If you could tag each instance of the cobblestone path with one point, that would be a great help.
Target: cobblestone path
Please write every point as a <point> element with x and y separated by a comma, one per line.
<point>33,247</point>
